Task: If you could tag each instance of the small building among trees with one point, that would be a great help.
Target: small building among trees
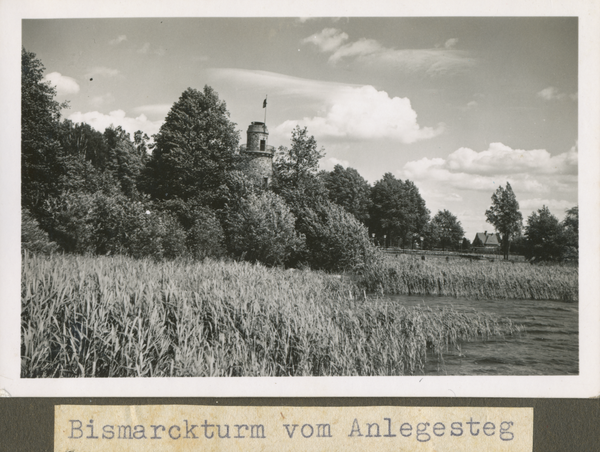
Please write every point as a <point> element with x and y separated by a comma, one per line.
<point>485,240</point>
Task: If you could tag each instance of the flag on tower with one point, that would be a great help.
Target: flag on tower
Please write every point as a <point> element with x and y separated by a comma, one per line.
<point>265,103</point>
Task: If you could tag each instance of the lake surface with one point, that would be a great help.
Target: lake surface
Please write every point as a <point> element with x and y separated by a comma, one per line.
<point>547,345</point>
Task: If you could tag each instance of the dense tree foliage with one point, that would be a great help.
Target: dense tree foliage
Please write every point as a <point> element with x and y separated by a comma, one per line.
<point>108,222</point>
<point>546,239</point>
<point>398,210</point>
<point>205,238</point>
<point>347,188</point>
<point>504,214</point>
<point>335,239</point>
<point>194,149</point>
<point>299,161</point>
<point>41,164</point>
<point>262,229</point>
<point>443,231</point>
<point>33,237</point>
<point>295,173</point>
<point>571,233</point>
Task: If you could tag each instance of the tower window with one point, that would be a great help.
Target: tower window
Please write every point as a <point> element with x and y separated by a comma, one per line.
<point>265,182</point>
<point>262,145</point>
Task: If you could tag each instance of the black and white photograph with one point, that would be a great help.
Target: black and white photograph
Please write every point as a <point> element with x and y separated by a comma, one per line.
<point>303,196</point>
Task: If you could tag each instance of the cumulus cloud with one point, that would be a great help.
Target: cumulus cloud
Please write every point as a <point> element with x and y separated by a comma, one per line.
<point>366,113</point>
<point>118,40</point>
<point>102,71</point>
<point>101,121</point>
<point>64,85</point>
<point>328,40</point>
<point>501,159</point>
<point>341,111</point>
<point>551,93</point>
<point>370,53</point>
<point>534,171</point>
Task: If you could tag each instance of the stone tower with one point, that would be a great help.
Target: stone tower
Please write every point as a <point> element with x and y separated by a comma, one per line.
<point>259,155</point>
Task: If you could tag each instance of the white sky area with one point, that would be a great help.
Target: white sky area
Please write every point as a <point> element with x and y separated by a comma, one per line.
<point>459,106</point>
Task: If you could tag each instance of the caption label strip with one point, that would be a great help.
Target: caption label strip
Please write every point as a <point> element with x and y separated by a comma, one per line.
<point>190,428</point>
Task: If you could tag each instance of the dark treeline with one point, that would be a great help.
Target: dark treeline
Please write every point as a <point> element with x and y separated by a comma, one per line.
<point>185,193</point>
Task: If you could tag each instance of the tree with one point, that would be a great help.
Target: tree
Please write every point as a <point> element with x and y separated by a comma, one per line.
<point>571,233</point>
<point>446,229</point>
<point>206,237</point>
<point>140,140</point>
<point>194,148</point>
<point>300,160</point>
<point>465,245</point>
<point>40,147</point>
<point>544,236</point>
<point>83,142</point>
<point>504,214</point>
<point>398,210</point>
<point>33,238</point>
<point>262,229</point>
<point>295,173</point>
<point>335,239</point>
<point>123,159</point>
<point>347,188</point>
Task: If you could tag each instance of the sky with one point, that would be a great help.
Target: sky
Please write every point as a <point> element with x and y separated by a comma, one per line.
<point>459,106</point>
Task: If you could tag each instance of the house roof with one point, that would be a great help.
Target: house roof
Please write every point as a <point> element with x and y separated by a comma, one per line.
<point>490,239</point>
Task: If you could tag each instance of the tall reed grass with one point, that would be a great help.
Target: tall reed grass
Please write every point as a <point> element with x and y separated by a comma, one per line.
<point>409,275</point>
<point>120,317</point>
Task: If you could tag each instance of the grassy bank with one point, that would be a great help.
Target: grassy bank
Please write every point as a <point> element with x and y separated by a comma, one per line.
<point>116,317</point>
<point>409,275</point>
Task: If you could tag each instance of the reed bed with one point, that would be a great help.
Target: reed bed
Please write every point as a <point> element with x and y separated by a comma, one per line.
<point>409,275</point>
<point>120,317</point>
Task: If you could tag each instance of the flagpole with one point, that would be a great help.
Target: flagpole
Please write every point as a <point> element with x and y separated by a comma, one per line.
<point>265,109</point>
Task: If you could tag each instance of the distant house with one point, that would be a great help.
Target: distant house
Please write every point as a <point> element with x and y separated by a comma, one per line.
<point>483,239</point>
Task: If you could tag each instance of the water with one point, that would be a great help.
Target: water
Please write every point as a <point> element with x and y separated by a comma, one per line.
<point>548,344</point>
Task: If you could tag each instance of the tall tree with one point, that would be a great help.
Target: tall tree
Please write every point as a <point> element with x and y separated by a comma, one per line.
<point>295,172</point>
<point>194,148</point>
<point>124,160</point>
<point>347,188</point>
<point>571,232</point>
<point>81,140</point>
<point>504,214</point>
<point>300,160</point>
<point>140,139</point>
<point>40,147</point>
<point>544,236</point>
<point>398,210</point>
<point>448,230</point>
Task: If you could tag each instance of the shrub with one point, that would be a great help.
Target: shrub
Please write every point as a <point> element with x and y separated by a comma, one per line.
<point>66,218</point>
<point>206,238</point>
<point>335,239</point>
<point>33,238</point>
<point>261,229</point>
<point>111,223</point>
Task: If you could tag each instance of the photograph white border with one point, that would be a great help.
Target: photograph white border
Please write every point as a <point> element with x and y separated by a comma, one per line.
<point>586,384</point>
